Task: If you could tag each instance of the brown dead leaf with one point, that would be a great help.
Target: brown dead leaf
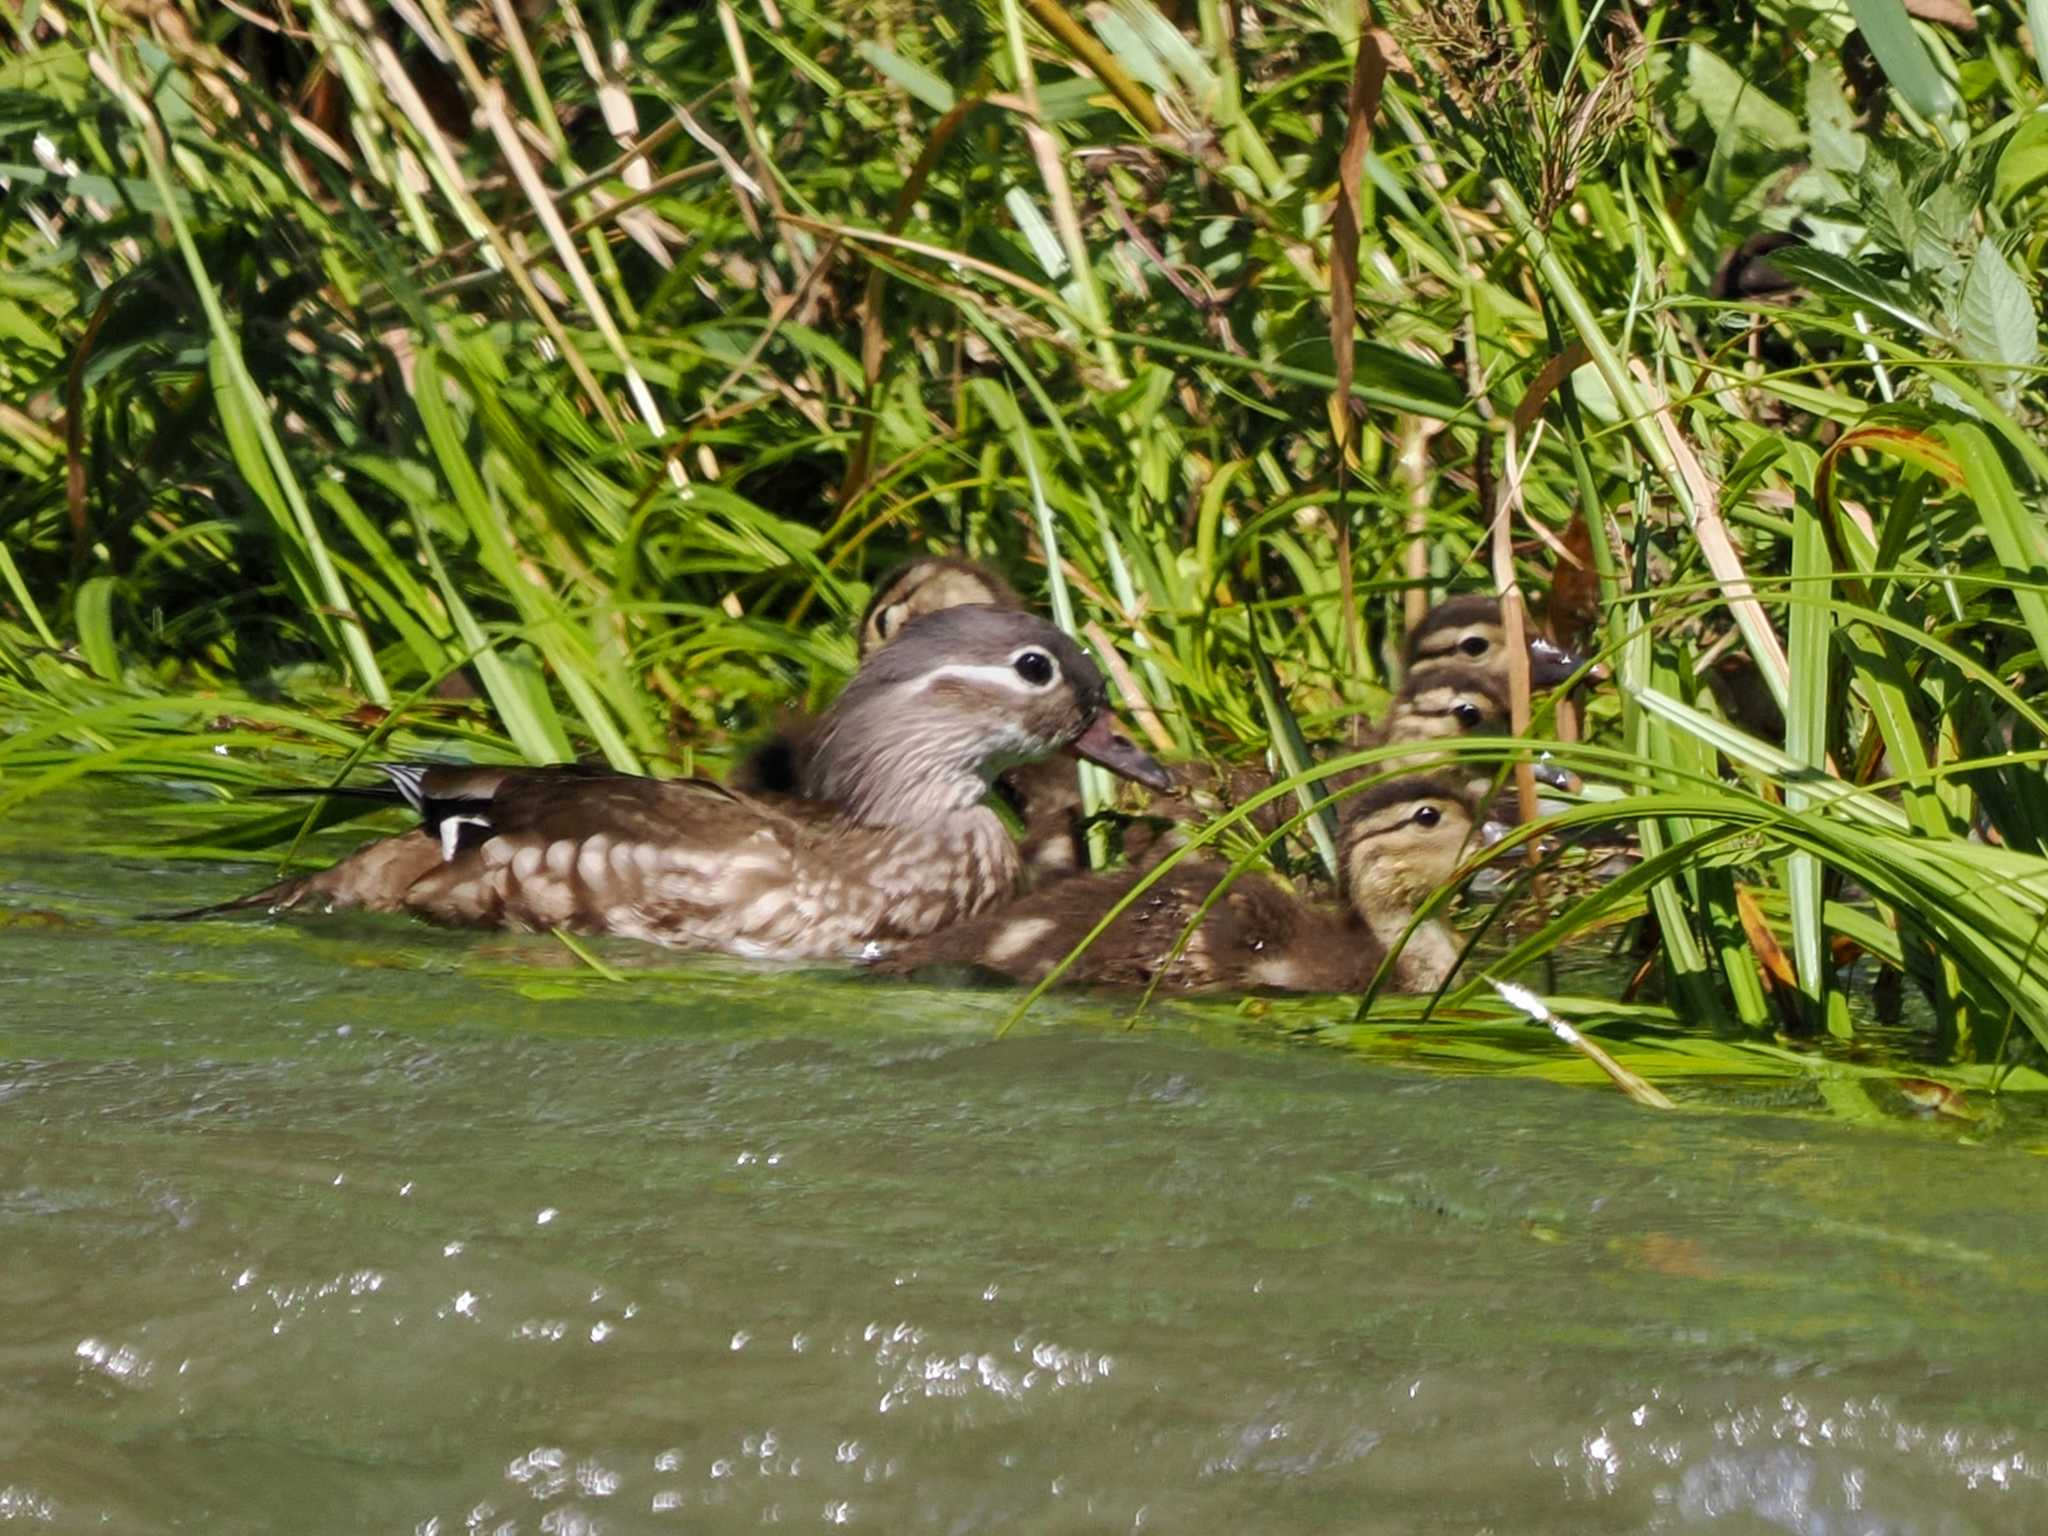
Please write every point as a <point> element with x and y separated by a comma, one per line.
<point>1574,607</point>
<point>1777,968</point>
<point>1368,77</point>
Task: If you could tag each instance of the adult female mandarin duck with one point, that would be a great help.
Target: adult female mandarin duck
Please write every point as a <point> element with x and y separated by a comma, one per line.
<point>889,841</point>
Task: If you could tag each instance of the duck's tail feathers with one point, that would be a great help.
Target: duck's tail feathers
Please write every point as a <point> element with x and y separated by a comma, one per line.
<point>272,898</point>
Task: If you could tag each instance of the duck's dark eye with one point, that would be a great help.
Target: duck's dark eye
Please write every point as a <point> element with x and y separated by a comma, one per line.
<point>1035,667</point>
<point>1469,716</point>
<point>1474,645</point>
<point>1428,816</point>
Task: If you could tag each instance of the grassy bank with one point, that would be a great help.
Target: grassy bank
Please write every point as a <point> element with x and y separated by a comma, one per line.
<point>553,380</point>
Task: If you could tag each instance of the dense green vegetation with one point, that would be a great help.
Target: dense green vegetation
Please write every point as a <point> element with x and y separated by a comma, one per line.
<point>601,354</point>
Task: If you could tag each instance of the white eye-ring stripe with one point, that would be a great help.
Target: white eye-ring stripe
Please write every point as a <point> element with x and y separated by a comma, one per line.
<point>1004,676</point>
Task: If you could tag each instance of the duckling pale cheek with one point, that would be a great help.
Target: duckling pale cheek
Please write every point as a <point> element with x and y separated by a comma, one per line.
<point>1277,971</point>
<point>592,859</point>
<point>526,863</point>
<point>561,857</point>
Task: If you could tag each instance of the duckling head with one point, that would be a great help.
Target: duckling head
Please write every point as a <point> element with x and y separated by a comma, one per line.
<point>959,695</point>
<point>1468,630</point>
<point>926,585</point>
<point>1402,841</point>
<point>1448,699</point>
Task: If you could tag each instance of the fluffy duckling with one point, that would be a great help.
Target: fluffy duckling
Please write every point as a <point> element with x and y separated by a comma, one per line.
<point>1402,841</point>
<point>1455,684</point>
<point>925,585</point>
<point>891,841</point>
<point>1469,630</point>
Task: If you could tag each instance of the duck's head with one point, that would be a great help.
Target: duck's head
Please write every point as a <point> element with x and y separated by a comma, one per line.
<point>1468,630</point>
<point>926,585</point>
<point>1449,699</point>
<point>957,696</point>
<point>1401,841</point>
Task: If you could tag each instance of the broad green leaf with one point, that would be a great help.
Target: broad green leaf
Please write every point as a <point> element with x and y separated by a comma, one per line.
<point>1806,724</point>
<point>1137,56</point>
<point>1038,234</point>
<point>1171,46</point>
<point>2023,163</point>
<point>94,610</point>
<point>1830,124</point>
<point>1999,323</point>
<point>1887,207</point>
<point>1840,275</point>
<point>2014,530</point>
<point>1730,103</point>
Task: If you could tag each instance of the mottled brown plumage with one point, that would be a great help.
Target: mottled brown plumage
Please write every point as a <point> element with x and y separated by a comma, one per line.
<point>889,840</point>
<point>925,585</point>
<point>1401,841</point>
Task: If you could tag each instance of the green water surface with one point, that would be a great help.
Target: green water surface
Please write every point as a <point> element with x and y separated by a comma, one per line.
<point>361,1227</point>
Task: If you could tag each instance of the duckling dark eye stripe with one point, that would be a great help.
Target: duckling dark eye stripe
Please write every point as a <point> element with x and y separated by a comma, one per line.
<point>1366,834</point>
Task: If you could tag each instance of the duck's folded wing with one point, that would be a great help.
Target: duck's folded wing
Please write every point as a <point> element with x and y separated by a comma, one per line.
<point>680,862</point>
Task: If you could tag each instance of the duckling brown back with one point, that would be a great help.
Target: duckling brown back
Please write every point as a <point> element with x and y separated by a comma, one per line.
<point>1024,940</point>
